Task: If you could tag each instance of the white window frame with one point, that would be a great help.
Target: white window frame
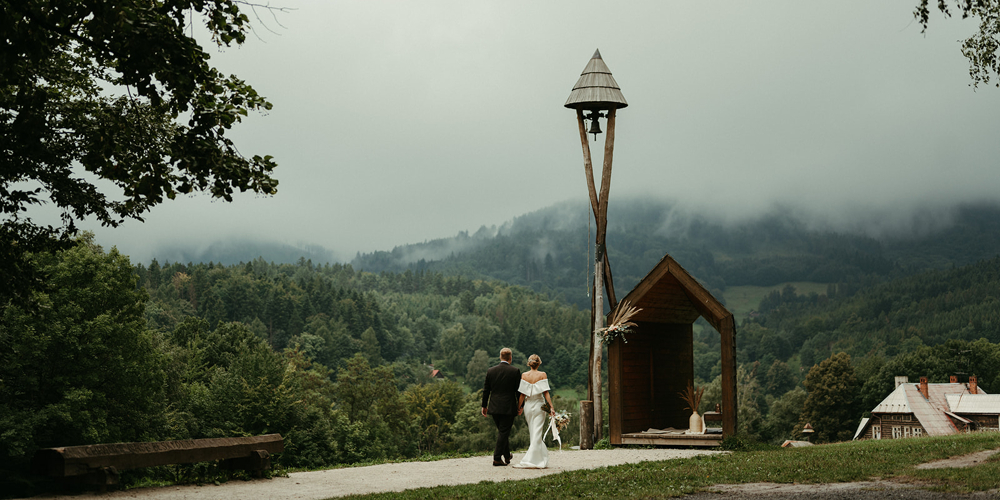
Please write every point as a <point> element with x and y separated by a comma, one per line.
<point>897,432</point>
<point>877,431</point>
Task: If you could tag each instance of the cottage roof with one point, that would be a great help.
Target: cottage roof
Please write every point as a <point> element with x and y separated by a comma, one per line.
<point>930,412</point>
<point>861,427</point>
<point>895,402</point>
<point>596,88</point>
<point>959,418</point>
<point>974,403</point>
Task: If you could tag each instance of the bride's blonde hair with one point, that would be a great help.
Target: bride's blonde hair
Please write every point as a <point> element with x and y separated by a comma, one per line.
<point>534,361</point>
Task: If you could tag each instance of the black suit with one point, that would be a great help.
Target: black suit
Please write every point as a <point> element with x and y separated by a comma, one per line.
<point>500,401</point>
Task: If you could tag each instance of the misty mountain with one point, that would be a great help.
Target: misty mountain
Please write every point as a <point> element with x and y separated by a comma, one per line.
<point>551,250</point>
<point>238,251</point>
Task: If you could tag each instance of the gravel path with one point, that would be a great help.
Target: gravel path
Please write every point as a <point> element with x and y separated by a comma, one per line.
<point>395,477</point>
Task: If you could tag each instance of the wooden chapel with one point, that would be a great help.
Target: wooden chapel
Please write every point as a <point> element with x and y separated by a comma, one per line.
<point>646,373</point>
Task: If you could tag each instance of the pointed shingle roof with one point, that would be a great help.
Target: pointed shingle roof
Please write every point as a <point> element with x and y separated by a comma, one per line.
<point>596,88</point>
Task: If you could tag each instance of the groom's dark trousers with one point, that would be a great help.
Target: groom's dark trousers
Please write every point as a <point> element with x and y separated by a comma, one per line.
<point>500,401</point>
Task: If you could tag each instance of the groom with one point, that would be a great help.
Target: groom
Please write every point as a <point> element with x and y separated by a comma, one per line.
<point>500,401</point>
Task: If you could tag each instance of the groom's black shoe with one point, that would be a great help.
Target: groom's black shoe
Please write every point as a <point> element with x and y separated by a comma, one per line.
<point>498,464</point>
<point>509,457</point>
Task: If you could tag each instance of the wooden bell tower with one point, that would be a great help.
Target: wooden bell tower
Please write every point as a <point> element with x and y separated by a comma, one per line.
<point>596,95</point>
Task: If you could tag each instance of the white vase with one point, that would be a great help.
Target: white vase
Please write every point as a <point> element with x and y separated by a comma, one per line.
<point>695,424</point>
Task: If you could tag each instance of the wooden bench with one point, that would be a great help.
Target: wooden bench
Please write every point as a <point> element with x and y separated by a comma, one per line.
<point>100,463</point>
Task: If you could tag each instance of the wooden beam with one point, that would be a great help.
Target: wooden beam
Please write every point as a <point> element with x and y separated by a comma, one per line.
<point>602,200</point>
<point>707,440</point>
<point>588,169</point>
<point>588,165</point>
<point>729,409</point>
<point>609,284</point>
<point>598,352</point>
<point>615,390</point>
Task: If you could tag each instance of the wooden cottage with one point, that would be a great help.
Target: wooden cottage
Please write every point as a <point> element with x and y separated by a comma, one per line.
<point>646,373</point>
<point>925,409</point>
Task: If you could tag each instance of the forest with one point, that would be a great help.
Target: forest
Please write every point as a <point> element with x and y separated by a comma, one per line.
<point>339,360</point>
<point>336,361</point>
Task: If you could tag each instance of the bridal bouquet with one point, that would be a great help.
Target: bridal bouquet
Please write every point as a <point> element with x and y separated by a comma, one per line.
<point>557,422</point>
<point>620,323</point>
<point>561,419</point>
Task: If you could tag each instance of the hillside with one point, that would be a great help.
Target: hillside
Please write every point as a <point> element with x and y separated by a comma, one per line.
<point>548,250</point>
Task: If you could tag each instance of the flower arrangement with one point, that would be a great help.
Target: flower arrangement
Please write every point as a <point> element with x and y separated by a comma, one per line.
<point>620,323</point>
<point>562,419</point>
<point>557,422</point>
<point>692,397</point>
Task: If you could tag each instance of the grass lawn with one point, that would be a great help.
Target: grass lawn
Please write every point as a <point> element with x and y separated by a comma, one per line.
<point>740,300</point>
<point>567,394</point>
<point>842,462</point>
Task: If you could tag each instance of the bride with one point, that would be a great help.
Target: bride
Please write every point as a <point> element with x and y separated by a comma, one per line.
<point>534,391</point>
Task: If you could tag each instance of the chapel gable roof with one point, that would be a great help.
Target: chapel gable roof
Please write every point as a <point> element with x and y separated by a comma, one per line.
<point>669,294</point>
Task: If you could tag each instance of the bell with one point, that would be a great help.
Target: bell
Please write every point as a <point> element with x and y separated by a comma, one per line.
<point>595,124</point>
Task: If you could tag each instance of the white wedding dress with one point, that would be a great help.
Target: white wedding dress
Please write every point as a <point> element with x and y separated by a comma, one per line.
<point>537,456</point>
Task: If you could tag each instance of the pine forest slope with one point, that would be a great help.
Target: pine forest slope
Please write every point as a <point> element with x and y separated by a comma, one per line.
<point>548,250</point>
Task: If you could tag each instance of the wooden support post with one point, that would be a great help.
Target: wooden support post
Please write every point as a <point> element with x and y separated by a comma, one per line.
<point>586,425</point>
<point>602,275</point>
<point>595,375</point>
<point>588,170</point>
<point>588,165</point>
<point>599,273</point>
<point>729,402</point>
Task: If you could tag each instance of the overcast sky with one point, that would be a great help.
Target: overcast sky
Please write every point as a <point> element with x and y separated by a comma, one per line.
<point>399,122</point>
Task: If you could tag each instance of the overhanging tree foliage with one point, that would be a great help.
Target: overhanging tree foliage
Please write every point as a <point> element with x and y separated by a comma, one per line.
<point>982,47</point>
<point>95,94</point>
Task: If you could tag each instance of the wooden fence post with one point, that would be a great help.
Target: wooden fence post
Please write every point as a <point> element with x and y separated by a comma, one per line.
<point>586,425</point>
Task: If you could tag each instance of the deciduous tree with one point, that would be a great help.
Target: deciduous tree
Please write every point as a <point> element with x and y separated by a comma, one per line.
<point>101,94</point>
<point>831,407</point>
<point>981,49</point>
<point>82,369</point>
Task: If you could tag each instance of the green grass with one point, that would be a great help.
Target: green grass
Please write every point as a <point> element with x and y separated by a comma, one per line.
<point>567,394</point>
<point>843,462</point>
<point>981,477</point>
<point>740,300</point>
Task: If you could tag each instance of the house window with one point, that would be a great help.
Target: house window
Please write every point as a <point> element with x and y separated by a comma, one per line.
<point>897,432</point>
<point>877,432</point>
<point>906,431</point>
<point>917,432</point>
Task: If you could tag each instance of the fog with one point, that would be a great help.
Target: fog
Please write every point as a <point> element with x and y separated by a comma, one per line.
<point>401,122</point>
